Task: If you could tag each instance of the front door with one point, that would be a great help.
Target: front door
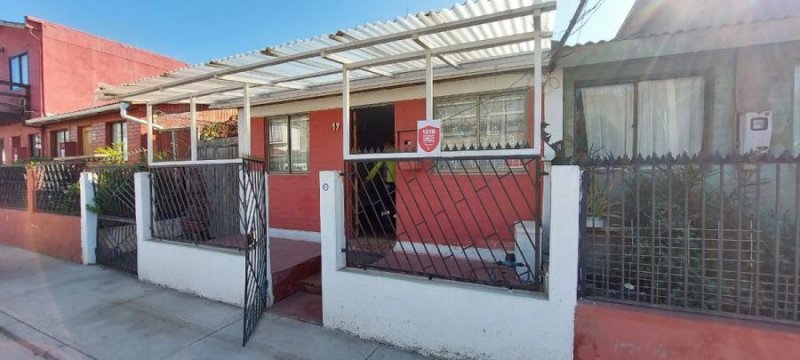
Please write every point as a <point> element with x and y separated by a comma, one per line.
<point>86,141</point>
<point>373,132</point>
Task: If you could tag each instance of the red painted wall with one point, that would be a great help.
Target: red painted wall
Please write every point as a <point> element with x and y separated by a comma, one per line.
<point>65,68</point>
<point>608,331</point>
<point>54,235</point>
<point>294,198</point>
<point>483,213</point>
<point>75,63</point>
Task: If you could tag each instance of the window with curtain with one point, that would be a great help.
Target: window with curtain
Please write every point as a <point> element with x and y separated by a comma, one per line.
<point>18,70</point>
<point>488,119</point>
<point>669,117</point>
<point>288,143</point>
<point>608,119</point>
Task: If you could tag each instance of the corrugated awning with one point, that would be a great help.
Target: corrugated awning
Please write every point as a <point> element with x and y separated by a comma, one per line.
<point>456,38</point>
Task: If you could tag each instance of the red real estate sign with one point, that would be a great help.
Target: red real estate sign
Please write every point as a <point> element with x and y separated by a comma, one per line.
<point>429,137</point>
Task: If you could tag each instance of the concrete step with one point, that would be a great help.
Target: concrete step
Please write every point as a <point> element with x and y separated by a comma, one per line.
<point>292,261</point>
<point>302,306</point>
<point>312,284</point>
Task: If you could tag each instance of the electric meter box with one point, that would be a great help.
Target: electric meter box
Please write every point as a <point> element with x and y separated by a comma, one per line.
<point>755,132</point>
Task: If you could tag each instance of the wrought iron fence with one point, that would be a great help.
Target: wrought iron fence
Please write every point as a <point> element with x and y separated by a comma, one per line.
<point>197,204</point>
<point>58,187</point>
<point>471,220</point>
<point>115,205</point>
<point>711,234</point>
<point>13,187</point>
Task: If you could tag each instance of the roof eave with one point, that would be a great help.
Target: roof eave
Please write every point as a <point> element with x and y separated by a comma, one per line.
<point>51,119</point>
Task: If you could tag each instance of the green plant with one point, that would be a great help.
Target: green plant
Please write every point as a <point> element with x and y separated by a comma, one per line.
<point>113,154</point>
<point>693,236</point>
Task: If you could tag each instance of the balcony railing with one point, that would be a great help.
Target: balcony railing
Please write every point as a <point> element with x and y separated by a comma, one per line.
<point>14,102</point>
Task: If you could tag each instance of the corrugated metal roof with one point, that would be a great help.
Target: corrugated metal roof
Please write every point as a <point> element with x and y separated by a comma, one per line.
<point>682,31</point>
<point>271,79</point>
<point>654,17</point>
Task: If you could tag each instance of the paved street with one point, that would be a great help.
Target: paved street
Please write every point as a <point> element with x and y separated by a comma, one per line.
<point>57,310</point>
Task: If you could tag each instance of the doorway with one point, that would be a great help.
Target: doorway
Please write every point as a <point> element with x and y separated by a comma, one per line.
<point>373,132</point>
<point>86,141</point>
<point>373,128</point>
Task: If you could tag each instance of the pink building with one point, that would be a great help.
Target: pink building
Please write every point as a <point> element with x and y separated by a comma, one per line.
<point>55,69</point>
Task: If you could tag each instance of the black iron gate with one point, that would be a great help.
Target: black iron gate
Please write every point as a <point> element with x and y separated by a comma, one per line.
<point>115,206</point>
<point>254,224</point>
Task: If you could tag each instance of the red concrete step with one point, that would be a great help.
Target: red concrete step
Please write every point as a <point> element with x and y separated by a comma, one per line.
<point>312,284</point>
<point>301,306</point>
<point>291,262</point>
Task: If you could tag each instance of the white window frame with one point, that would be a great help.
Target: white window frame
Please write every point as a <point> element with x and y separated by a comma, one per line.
<point>796,117</point>
<point>288,141</point>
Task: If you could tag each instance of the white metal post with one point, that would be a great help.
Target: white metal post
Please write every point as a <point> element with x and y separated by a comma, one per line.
<point>144,211</point>
<point>149,134</point>
<point>428,87</point>
<point>192,128</point>
<point>244,123</point>
<point>88,219</point>
<point>345,111</point>
<point>537,81</point>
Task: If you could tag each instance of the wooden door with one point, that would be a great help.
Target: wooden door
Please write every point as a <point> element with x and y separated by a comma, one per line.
<point>86,141</point>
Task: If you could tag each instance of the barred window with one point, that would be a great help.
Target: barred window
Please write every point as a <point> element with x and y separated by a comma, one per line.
<point>485,120</point>
<point>288,143</point>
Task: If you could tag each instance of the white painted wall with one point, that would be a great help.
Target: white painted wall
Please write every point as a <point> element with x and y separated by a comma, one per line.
<point>450,319</point>
<point>211,273</point>
<point>88,220</point>
<point>290,234</point>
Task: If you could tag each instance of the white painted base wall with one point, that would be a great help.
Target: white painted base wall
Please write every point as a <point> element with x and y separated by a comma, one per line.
<point>449,319</point>
<point>210,273</point>
<point>290,234</point>
<point>214,274</point>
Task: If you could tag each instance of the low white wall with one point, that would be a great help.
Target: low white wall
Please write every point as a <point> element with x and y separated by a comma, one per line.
<point>290,234</point>
<point>211,273</point>
<point>449,319</point>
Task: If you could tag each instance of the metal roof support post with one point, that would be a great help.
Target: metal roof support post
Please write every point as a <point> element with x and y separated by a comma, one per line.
<point>244,123</point>
<point>345,111</point>
<point>428,86</point>
<point>193,128</point>
<point>149,134</point>
<point>537,81</point>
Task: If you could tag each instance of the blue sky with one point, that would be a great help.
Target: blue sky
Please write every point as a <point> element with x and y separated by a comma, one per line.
<point>201,30</point>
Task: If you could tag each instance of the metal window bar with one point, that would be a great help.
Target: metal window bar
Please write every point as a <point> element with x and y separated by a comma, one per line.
<point>714,234</point>
<point>13,187</point>
<point>58,187</point>
<point>437,221</point>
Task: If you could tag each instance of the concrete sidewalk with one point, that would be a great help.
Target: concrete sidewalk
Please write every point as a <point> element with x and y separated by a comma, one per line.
<point>57,310</point>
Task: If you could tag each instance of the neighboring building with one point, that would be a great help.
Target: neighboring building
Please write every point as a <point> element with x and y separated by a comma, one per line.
<point>684,76</point>
<point>53,69</point>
